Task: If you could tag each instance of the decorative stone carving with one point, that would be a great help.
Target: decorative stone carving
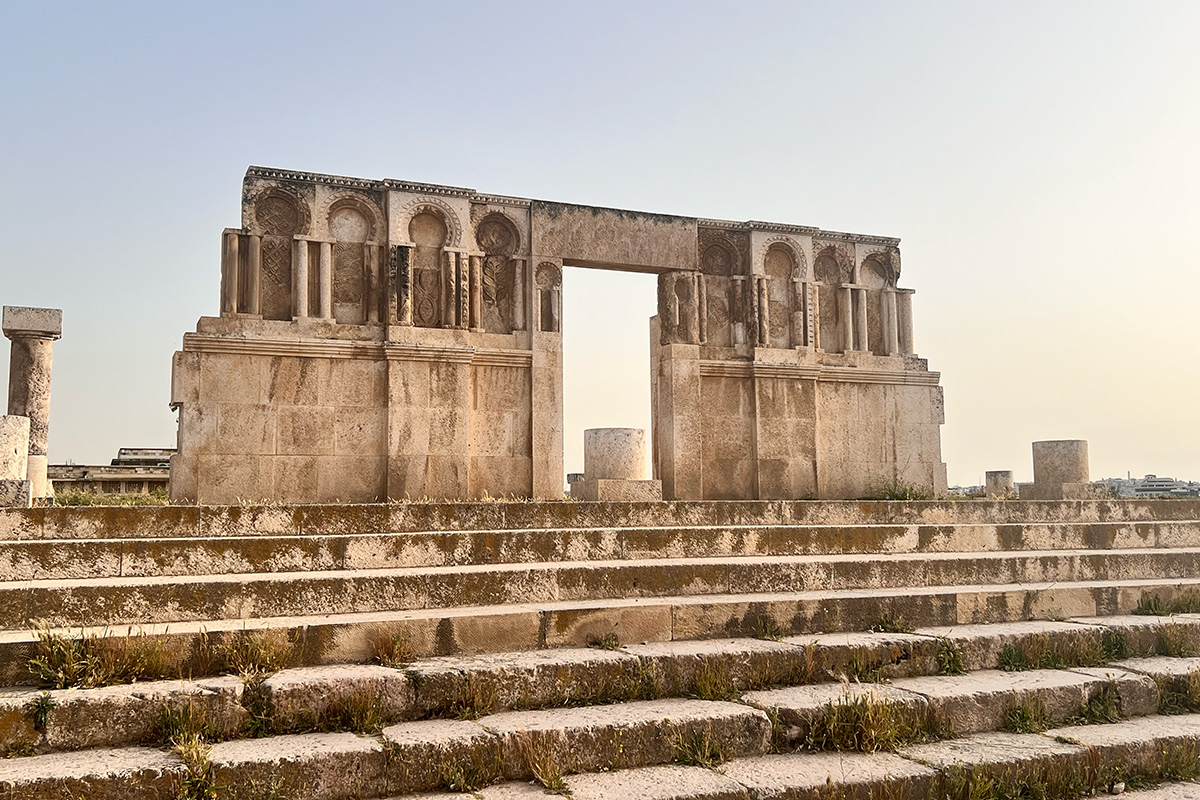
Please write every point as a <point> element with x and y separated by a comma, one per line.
<point>428,231</point>
<point>548,275</point>
<point>280,216</point>
<point>439,208</point>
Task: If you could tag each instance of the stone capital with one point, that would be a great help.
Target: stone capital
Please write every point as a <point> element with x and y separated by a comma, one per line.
<point>34,323</point>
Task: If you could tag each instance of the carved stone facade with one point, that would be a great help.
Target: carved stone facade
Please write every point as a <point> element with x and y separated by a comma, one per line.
<point>386,339</point>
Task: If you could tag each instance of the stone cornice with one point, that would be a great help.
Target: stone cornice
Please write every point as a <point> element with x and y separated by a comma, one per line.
<point>272,173</point>
<point>377,351</point>
<point>817,372</point>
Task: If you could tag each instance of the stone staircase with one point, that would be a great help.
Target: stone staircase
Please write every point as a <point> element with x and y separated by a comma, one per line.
<point>748,650</point>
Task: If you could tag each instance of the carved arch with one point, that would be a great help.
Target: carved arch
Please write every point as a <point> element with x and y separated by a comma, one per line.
<point>497,234</point>
<point>454,233</point>
<point>369,210</point>
<point>841,256</point>
<point>501,217</point>
<point>792,246</point>
<point>886,261</point>
<point>278,211</point>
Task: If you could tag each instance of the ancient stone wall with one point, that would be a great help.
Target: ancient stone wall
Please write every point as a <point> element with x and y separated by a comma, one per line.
<point>385,339</point>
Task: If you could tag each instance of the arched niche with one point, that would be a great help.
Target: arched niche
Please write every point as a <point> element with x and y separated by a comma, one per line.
<point>779,265</point>
<point>427,231</point>
<point>830,275</point>
<point>499,239</point>
<point>875,274</point>
<point>351,226</point>
<point>278,217</point>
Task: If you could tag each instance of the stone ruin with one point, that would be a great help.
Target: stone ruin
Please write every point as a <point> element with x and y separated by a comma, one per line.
<point>25,432</point>
<point>382,339</point>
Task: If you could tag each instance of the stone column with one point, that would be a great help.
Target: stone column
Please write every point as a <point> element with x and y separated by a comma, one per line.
<point>860,320</point>
<point>799,304</point>
<point>739,309</point>
<point>846,318</point>
<point>300,280</point>
<point>32,331</point>
<point>449,291</point>
<point>519,290</point>
<point>702,307</point>
<point>229,273</point>
<point>253,300</point>
<point>998,483</point>
<point>477,293</point>
<point>399,305</point>
<point>904,322</point>
<point>891,332</point>
<point>764,312</point>
<point>464,290</point>
<point>325,280</point>
<point>814,315</point>
<point>372,282</point>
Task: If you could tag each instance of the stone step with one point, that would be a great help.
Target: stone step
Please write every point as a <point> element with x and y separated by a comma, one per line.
<point>197,647</point>
<point>423,757</point>
<point>326,520</point>
<point>408,757</point>
<point>121,601</point>
<point>52,559</point>
<point>816,668</point>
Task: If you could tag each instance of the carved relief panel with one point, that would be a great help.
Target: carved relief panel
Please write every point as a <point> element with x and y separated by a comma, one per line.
<point>499,277</point>
<point>280,216</point>
<point>722,255</point>
<point>427,231</point>
<point>832,267</point>
<point>351,227</point>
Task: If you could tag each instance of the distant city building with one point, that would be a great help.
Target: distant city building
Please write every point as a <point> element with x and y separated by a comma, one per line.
<point>1152,486</point>
<point>135,469</point>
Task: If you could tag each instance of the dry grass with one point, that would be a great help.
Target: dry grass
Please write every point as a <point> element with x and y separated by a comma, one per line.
<point>541,759</point>
<point>699,749</point>
<point>950,659</point>
<point>867,724</point>
<point>258,652</point>
<point>891,622</point>
<point>70,497</point>
<point>391,648</point>
<point>1028,717</point>
<point>89,661</point>
<point>712,682</point>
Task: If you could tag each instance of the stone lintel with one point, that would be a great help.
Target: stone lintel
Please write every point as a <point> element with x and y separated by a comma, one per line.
<point>42,323</point>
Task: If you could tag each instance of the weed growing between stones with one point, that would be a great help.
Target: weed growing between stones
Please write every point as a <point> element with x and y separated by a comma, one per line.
<point>867,724</point>
<point>897,489</point>
<point>68,497</point>
<point>1028,717</point>
<point>391,648</point>
<point>184,723</point>
<point>767,629</point>
<point>608,641</point>
<point>37,711</point>
<point>1114,644</point>
<point>541,759</point>
<point>472,700</point>
<point>1175,641</point>
<point>197,783</point>
<point>1012,659</point>
<point>260,721</point>
<point>1179,695</point>
<point>1102,708</point>
<point>862,668</point>
<point>950,659</point>
<point>712,682</point>
<point>248,653</point>
<point>89,661</point>
<point>891,622</point>
<point>699,749</point>
<point>1152,605</point>
<point>471,774</point>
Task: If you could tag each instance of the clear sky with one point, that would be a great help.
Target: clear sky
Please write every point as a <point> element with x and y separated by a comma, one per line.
<point>1040,162</point>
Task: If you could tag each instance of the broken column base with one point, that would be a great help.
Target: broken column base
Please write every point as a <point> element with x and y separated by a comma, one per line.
<point>618,490</point>
<point>15,494</point>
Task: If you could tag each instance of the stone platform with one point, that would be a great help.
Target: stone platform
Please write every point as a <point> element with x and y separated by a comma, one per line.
<point>617,648</point>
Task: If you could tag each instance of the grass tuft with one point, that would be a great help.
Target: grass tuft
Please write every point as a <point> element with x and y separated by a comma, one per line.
<point>37,711</point>
<point>391,649</point>
<point>72,497</point>
<point>1012,659</point>
<point>89,661</point>
<point>259,652</point>
<point>1028,717</point>
<point>541,758</point>
<point>1104,707</point>
<point>867,724</point>
<point>897,489</point>
<point>712,682</point>
<point>608,641</point>
<point>950,659</point>
<point>891,622</point>
<point>767,629</point>
<point>1175,641</point>
<point>699,749</point>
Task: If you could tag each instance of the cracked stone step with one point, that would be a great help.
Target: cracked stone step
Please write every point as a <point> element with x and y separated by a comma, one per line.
<point>1014,756</point>
<point>313,766</point>
<point>632,734</point>
<point>800,708</point>
<point>150,557</point>
<point>120,774</point>
<point>203,521</point>
<point>1137,744</point>
<point>854,775</point>
<point>980,701</point>
<point>355,638</point>
<point>115,601</point>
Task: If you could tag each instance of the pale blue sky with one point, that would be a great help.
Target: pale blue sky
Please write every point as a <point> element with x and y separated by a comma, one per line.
<point>1039,160</point>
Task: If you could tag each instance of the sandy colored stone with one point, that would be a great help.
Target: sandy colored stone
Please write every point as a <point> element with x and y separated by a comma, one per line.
<point>1161,666</point>
<point>308,695</point>
<point>784,777</point>
<point>1012,754</point>
<point>887,655</point>
<point>657,783</point>
<point>1137,744</point>
<point>978,701</point>
<point>424,755</point>
<point>627,734</point>
<point>102,774</point>
<point>981,644</point>
<point>1168,791</point>
<point>532,679</point>
<point>315,766</point>
<point>798,707</point>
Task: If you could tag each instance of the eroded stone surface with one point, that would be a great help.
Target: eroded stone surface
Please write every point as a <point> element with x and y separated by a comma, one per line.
<point>782,777</point>
<point>657,783</point>
<point>317,766</point>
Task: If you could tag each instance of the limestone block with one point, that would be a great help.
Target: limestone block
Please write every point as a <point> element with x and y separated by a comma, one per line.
<point>15,494</point>
<point>998,483</point>
<point>316,766</point>
<point>14,448</point>
<point>617,490</point>
<point>657,783</point>
<point>26,321</point>
<point>310,695</point>
<point>117,774</point>
<point>855,776</point>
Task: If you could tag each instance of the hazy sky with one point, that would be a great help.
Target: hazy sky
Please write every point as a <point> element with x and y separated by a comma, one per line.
<point>1039,160</point>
